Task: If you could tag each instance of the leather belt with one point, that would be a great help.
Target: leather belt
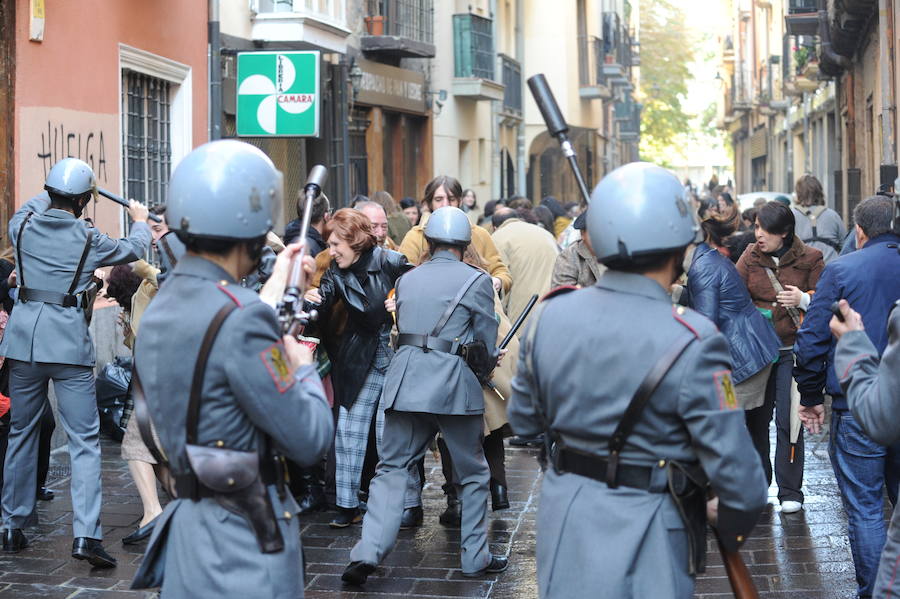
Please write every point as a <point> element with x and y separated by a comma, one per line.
<point>594,467</point>
<point>428,343</point>
<point>66,300</point>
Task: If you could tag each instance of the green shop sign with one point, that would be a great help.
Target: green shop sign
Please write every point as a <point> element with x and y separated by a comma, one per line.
<point>278,94</point>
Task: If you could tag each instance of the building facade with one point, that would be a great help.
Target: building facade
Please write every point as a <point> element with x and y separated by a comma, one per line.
<point>809,88</point>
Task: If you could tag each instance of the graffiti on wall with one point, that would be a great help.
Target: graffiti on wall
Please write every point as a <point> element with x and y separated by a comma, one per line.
<point>47,134</point>
<point>59,141</point>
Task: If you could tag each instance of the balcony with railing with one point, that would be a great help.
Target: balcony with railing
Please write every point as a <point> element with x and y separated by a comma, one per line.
<point>627,114</point>
<point>473,58</point>
<point>591,83</point>
<point>399,28</point>
<point>802,17</point>
<point>511,72</point>
<point>321,23</point>
<point>617,50</point>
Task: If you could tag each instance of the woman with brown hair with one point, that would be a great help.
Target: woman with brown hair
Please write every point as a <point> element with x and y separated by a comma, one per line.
<point>361,275</point>
<point>781,272</point>
<point>817,225</point>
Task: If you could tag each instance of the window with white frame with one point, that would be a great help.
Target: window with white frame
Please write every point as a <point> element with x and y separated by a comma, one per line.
<point>155,121</point>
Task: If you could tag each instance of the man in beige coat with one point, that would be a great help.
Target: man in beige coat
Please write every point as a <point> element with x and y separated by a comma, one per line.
<point>530,253</point>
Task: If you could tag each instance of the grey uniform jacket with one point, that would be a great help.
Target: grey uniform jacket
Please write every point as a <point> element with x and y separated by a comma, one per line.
<point>416,380</point>
<point>199,549</point>
<point>52,244</point>
<point>591,349</point>
<point>873,389</point>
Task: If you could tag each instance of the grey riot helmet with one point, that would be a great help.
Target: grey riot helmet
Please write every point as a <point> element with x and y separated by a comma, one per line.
<point>640,209</point>
<point>224,189</point>
<point>449,225</point>
<point>70,178</point>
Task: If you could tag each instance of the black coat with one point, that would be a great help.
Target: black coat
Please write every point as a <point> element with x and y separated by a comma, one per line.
<point>367,319</point>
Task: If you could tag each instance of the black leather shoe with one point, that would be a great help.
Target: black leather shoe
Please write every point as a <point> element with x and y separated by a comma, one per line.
<point>45,494</point>
<point>92,550</point>
<point>345,517</point>
<point>14,540</point>
<point>496,565</point>
<point>412,517</point>
<point>313,500</point>
<point>357,572</point>
<point>452,516</point>
<point>140,533</point>
<point>499,497</point>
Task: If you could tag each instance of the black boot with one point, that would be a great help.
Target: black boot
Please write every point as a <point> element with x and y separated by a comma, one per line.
<point>499,497</point>
<point>312,498</point>
<point>345,517</point>
<point>412,517</point>
<point>14,540</point>
<point>452,516</point>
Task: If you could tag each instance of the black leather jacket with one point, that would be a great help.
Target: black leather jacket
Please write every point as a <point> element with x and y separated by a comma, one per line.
<point>363,288</point>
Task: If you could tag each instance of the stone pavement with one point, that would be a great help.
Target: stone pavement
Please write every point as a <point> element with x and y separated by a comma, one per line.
<point>802,556</point>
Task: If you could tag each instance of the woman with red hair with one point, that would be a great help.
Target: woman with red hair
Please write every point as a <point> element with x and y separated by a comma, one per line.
<point>361,275</point>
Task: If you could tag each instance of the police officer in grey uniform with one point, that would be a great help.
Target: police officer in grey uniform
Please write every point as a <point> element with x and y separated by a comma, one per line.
<point>47,338</point>
<point>226,391</point>
<point>442,305</point>
<point>622,493</point>
<point>873,392</point>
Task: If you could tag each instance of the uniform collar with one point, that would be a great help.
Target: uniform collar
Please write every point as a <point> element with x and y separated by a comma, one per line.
<point>59,213</point>
<point>195,266</point>
<point>885,238</point>
<point>626,282</point>
<point>445,255</point>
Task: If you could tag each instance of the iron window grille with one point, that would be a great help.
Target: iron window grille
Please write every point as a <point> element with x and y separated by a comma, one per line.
<point>146,137</point>
<point>473,46</point>
<point>411,19</point>
<point>512,82</point>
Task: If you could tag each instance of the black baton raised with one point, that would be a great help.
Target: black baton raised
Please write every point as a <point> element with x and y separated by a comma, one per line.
<point>123,202</point>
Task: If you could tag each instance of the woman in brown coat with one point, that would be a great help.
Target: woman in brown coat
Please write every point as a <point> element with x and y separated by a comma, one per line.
<point>795,267</point>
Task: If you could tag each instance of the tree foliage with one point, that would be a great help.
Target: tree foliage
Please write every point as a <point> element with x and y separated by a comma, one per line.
<point>667,50</point>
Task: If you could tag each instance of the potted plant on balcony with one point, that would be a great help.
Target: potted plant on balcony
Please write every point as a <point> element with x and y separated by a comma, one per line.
<point>801,57</point>
<point>375,21</point>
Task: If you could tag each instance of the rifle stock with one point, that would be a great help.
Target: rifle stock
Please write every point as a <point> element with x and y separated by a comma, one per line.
<point>738,575</point>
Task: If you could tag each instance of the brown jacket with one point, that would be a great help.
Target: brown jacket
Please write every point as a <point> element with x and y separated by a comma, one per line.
<point>576,266</point>
<point>800,266</point>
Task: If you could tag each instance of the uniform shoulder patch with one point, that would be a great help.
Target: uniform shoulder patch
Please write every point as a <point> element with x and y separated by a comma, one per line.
<point>725,390</point>
<point>275,359</point>
<point>562,290</point>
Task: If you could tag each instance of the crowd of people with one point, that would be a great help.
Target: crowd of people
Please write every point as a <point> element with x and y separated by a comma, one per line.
<point>351,405</point>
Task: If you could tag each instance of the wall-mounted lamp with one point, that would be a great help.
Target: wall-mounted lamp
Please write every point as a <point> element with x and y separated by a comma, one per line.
<point>438,103</point>
<point>355,75</point>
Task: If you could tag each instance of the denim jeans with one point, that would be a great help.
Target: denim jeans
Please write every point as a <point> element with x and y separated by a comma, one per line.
<point>863,468</point>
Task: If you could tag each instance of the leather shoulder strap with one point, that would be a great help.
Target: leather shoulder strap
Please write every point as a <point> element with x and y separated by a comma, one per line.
<point>84,255</point>
<point>193,414</point>
<point>450,308</point>
<point>639,402</point>
<point>792,311</point>
<point>19,263</point>
<point>168,250</point>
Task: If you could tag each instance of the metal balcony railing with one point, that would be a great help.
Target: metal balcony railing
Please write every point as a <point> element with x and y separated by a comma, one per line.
<point>590,61</point>
<point>473,46</point>
<point>512,82</point>
<point>617,43</point>
<point>412,19</point>
<point>797,7</point>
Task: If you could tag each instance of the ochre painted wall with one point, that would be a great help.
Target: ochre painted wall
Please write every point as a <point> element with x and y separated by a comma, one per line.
<point>67,87</point>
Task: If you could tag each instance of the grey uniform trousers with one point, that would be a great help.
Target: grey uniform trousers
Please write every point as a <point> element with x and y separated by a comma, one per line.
<point>406,437</point>
<point>77,406</point>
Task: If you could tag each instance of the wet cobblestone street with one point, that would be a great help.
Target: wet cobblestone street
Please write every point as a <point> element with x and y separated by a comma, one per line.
<point>804,555</point>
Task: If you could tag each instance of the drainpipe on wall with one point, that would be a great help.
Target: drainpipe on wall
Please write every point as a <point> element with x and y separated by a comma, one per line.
<point>215,73</point>
<point>887,92</point>
<point>521,182</point>
<point>495,111</point>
